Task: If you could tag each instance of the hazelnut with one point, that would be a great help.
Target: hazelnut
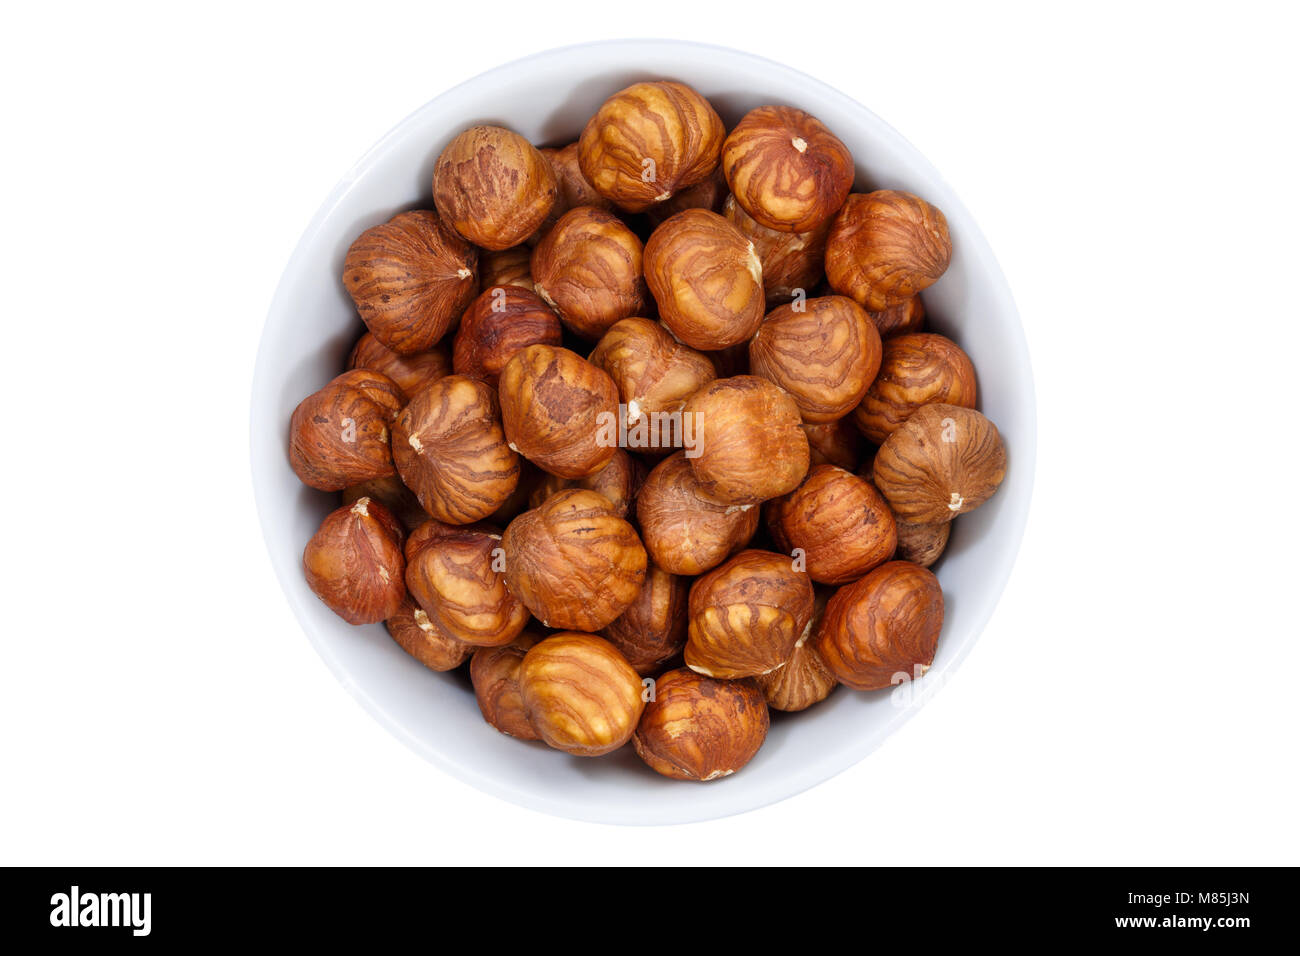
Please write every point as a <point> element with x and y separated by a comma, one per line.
<point>453,573</point>
<point>410,279</point>
<point>707,194</point>
<point>574,191</point>
<point>786,169</point>
<point>791,261</point>
<point>886,246</point>
<point>414,633</point>
<point>410,372</point>
<point>580,695</point>
<point>530,476</point>
<point>706,278</point>
<point>685,532</point>
<point>834,443</point>
<point>882,628</point>
<point>655,375</point>
<point>450,450</point>
<point>915,370</point>
<point>340,435</point>
<point>500,322</point>
<point>907,316</point>
<point>749,445</point>
<point>573,561</point>
<point>649,141</point>
<point>559,411</point>
<point>511,266</point>
<point>619,481</point>
<point>393,495</point>
<point>652,631</point>
<point>824,354</point>
<point>698,728</point>
<point>804,679</point>
<point>839,521</point>
<point>588,267</point>
<point>354,563</point>
<point>942,462</point>
<point>493,187</point>
<point>746,616</point>
<point>922,544</point>
<point>494,672</point>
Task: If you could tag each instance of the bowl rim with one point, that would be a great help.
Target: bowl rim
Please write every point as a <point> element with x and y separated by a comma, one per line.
<point>1012,523</point>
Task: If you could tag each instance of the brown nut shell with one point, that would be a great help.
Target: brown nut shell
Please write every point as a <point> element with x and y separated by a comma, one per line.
<point>840,523</point>
<point>915,370</point>
<point>341,435</point>
<point>707,194</point>
<point>908,316</point>
<point>882,629</point>
<point>354,563</point>
<point>580,695</point>
<point>497,324</point>
<point>494,672</point>
<point>885,247</point>
<point>746,616</point>
<point>824,352</point>
<point>411,629</point>
<point>786,169</point>
<point>619,481</point>
<point>836,443</point>
<point>922,544</point>
<point>493,187</point>
<point>792,261</point>
<point>410,372</point>
<point>451,451</point>
<point>393,495</point>
<point>649,141</point>
<point>559,411</point>
<point>588,267</point>
<point>698,728</point>
<point>942,462</point>
<point>804,679</point>
<point>573,561</point>
<point>706,279</point>
<point>574,191</point>
<point>511,266</point>
<point>652,631</point>
<point>685,532</point>
<point>410,279</point>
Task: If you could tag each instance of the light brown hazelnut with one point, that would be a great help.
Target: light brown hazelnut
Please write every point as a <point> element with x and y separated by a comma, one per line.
<point>573,561</point>
<point>786,169</point>
<point>706,279</point>
<point>836,443</point>
<point>698,728</point>
<point>907,316</point>
<point>411,278</point>
<point>414,633</point>
<point>655,375</point>
<point>497,324</point>
<point>619,481</point>
<point>792,261</point>
<point>922,544</point>
<point>340,435</point>
<point>455,574</point>
<point>707,194</point>
<point>494,672</point>
<point>393,495</point>
<point>746,616</point>
<point>511,266</point>
<point>839,522</point>
<point>915,370</point>
<point>559,411</point>
<point>804,679</point>
<point>588,267</point>
<point>451,451</point>
<point>648,142</point>
<point>824,353</point>
<point>493,187</point>
<point>410,372</point>
<point>749,445</point>
<point>942,462</point>
<point>883,628</point>
<point>684,531</point>
<point>652,631</point>
<point>354,563</point>
<point>574,191</point>
<point>885,247</point>
<point>580,695</point>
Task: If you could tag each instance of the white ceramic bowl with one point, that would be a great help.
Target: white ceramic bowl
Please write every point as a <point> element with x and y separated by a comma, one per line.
<point>312,324</point>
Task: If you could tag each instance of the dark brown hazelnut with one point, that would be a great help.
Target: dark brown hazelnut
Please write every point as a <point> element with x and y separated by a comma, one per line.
<point>648,142</point>
<point>804,679</point>
<point>588,267</point>
<point>341,434</point>
<point>574,191</point>
<point>922,544</point>
<point>493,187</point>
<point>707,194</point>
<point>882,629</point>
<point>354,563</point>
<point>559,411</point>
<point>792,261</point>
<point>824,352</point>
<point>786,169</point>
<point>706,279</point>
<point>451,451</point>
<point>746,616</point>
<point>511,266</point>
<point>836,443</point>
<point>619,481</point>
<point>915,370</point>
<point>652,631</point>
<point>494,672</point>
<point>393,495</point>
<point>411,628</point>
<point>885,247</point>
<point>907,316</point>
<point>685,532</point>
<point>411,278</point>
<point>500,322</point>
<point>698,728</point>
<point>573,561</point>
<point>840,524</point>
<point>410,372</point>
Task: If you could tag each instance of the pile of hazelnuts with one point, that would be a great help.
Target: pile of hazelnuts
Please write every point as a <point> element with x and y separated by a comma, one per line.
<point>728,506</point>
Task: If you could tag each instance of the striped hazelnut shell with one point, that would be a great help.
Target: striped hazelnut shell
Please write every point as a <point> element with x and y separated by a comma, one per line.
<point>493,187</point>
<point>652,631</point>
<point>410,372</point>
<point>686,532</point>
<point>915,370</point>
<point>885,247</point>
<point>494,673</point>
<point>354,563</point>
<point>411,628</point>
<point>502,320</point>
<point>341,434</point>
<point>792,261</point>
<point>699,728</point>
<point>588,268</point>
<point>805,678</point>
<point>840,523</point>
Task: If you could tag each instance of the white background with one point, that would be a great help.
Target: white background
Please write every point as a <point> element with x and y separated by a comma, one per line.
<point>1132,701</point>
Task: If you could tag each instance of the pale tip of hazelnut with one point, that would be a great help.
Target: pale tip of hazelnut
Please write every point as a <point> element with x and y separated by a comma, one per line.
<point>415,443</point>
<point>799,143</point>
<point>955,502</point>
<point>732,509</point>
<point>754,265</point>
<point>633,411</point>
<point>698,669</point>
<point>463,273</point>
<point>718,773</point>
<point>362,507</point>
<point>495,537</point>
<point>545,298</point>
<point>422,621</point>
<point>663,196</point>
<point>383,573</point>
<point>512,447</point>
<point>804,636</point>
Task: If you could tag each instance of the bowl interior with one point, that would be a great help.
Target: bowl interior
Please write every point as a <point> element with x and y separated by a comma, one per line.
<point>312,324</point>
